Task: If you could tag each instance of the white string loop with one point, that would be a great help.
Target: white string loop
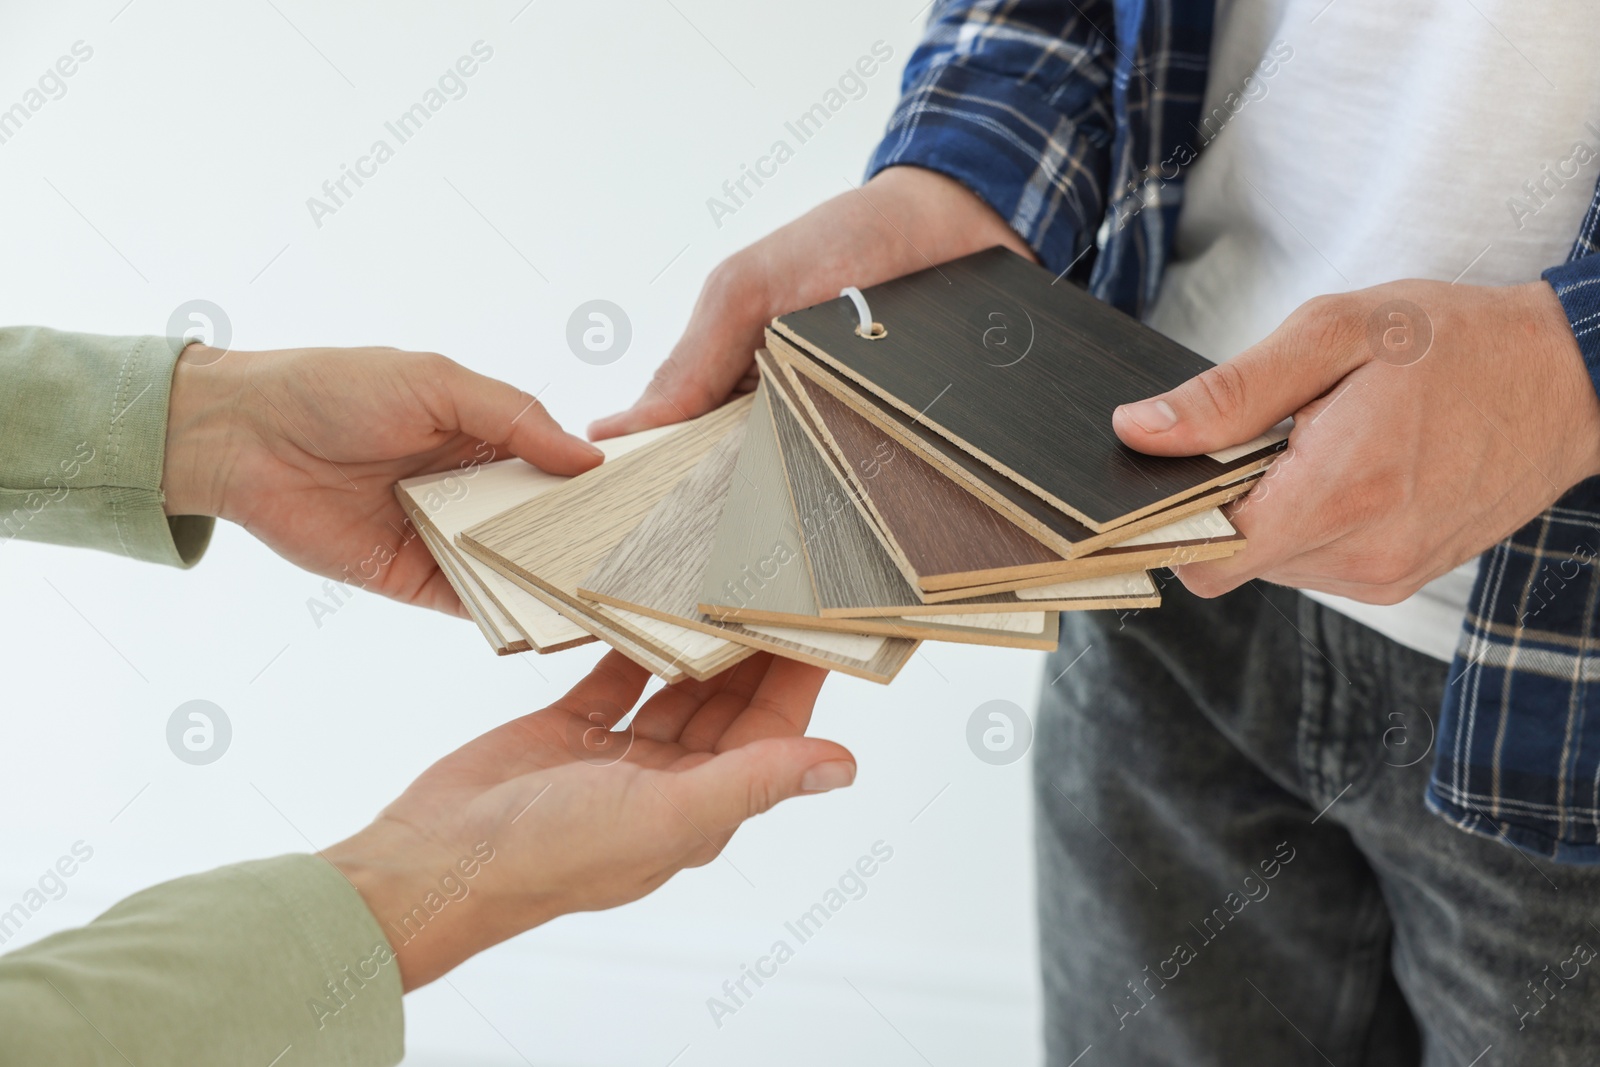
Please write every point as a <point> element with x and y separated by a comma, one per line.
<point>868,329</point>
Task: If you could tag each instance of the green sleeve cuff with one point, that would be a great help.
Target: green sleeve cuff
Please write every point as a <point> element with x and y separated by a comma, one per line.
<point>271,961</point>
<point>83,434</point>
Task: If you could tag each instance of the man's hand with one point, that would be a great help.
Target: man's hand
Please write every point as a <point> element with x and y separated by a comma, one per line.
<point>904,219</point>
<point>554,812</point>
<point>303,448</point>
<point>1431,421</point>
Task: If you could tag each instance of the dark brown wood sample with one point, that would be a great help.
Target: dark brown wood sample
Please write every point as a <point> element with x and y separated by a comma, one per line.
<point>853,577</point>
<point>1058,531</point>
<point>944,532</point>
<point>1036,408</point>
<point>951,540</point>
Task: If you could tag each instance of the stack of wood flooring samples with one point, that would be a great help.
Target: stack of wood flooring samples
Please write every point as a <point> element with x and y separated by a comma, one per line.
<point>930,460</point>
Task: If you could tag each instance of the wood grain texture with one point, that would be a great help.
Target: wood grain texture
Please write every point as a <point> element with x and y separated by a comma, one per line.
<point>947,539</point>
<point>1036,517</point>
<point>447,502</point>
<point>1206,535</point>
<point>659,567</point>
<point>851,575</point>
<point>1036,406</point>
<point>944,533</point>
<point>551,543</point>
<point>495,625</point>
<point>594,627</point>
<point>756,573</point>
<point>1213,537</point>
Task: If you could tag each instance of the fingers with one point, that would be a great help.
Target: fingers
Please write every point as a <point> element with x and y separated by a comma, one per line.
<point>1240,399</point>
<point>437,593</point>
<point>733,786</point>
<point>709,362</point>
<point>652,409</point>
<point>664,715</point>
<point>764,696</point>
<point>505,416</point>
<point>682,389</point>
<point>781,706</point>
<point>554,735</point>
<point>710,721</point>
<point>609,690</point>
<point>1282,517</point>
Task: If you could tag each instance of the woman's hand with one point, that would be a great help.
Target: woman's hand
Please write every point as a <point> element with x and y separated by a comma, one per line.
<point>555,812</point>
<point>302,447</point>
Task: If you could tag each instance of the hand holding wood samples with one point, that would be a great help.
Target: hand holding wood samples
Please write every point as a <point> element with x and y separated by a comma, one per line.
<point>950,474</point>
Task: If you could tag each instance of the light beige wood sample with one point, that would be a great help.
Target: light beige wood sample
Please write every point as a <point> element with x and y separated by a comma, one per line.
<point>1081,542</point>
<point>851,574</point>
<point>505,483</point>
<point>551,543</point>
<point>658,569</point>
<point>756,572</point>
<point>496,627</point>
<point>447,502</point>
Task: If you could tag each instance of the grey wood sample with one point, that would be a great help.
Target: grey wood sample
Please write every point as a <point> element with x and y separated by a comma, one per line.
<point>1037,409</point>
<point>756,572</point>
<point>658,568</point>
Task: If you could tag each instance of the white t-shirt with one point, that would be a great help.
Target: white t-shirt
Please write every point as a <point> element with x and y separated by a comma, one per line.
<point>1362,141</point>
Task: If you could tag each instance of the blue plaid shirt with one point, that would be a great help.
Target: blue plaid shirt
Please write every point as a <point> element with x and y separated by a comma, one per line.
<point>1075,120</point>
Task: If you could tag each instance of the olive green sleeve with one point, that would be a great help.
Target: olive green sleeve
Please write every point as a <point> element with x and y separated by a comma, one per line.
<point>275,961</point>
<point>83,429</point>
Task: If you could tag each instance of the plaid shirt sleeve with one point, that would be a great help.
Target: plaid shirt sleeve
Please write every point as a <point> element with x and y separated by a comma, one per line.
<point>1519,733</point>
<point>1012,98</point>
<point>1577,286</point>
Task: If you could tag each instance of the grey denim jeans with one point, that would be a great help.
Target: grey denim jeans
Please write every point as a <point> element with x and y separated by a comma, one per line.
<point>1236,867</point>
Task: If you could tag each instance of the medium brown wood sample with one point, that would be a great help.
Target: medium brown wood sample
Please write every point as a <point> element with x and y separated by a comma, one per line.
<point>946,539</point>
<point>553,542</point>
<point>1060,532</point>
<point>851,574</point>
<point>1043,418</point>
<point>659,567</point>
<point>755,571</point>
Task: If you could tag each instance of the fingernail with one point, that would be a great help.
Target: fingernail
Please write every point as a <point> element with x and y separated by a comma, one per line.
<point>1151,416</point>
<point>835,774</point>
<point>593,450</point>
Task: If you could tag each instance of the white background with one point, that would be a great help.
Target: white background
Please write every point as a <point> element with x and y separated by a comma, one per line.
<point>181,157</point>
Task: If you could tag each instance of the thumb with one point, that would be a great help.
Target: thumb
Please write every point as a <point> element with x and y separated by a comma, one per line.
<point>711,361</point>
<point>509,418</point>
<point>652,409</point>
<point>1243,398</point>
<point>682,389</point>
<point>743,782</point>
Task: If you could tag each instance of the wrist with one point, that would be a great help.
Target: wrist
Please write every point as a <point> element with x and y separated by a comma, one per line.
<point>1573,387</point>
<point>437,908</point>
<point>202,431</point>
<point>389,866</point>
